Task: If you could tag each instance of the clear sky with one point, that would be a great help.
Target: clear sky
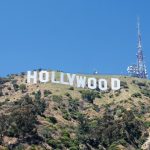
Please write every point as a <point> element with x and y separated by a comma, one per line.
<point>72,35</point>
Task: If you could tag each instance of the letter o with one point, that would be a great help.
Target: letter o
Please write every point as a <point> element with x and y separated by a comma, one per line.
<point>102,84</point>
<point>44,76</point>
<point>92,83</point>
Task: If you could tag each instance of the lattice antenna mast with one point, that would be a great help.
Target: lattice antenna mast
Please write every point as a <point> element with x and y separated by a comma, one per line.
<point>142,73</point>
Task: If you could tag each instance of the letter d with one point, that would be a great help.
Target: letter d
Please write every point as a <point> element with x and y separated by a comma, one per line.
<point>115,84</point>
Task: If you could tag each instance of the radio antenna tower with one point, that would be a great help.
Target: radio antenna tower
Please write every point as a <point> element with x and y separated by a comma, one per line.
<point>139,70</point>
<point>140,64</point>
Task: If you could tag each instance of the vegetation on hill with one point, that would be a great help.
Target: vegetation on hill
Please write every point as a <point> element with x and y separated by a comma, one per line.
<point>50,116</point>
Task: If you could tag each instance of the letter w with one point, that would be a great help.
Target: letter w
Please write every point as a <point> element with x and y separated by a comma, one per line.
<point>81,81</point>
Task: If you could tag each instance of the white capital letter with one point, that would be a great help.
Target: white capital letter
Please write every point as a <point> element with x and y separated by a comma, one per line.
<point>92,83</point>
<point>115,84</point>
<point>62,79</point>
<point>32,76</point>
<point>81,81</point>
<point>71,78</point>
<point>53,80</point>
<point>44,76</point>
<point>102,84</point>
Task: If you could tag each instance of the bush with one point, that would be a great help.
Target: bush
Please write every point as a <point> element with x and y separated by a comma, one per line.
<point>4,80</point>
<point>140,84</point>
<point>9,88</point>
<point>3,125</point>
<point>38,95</point>
<point>73,108</point>
<point>117,93</point>
<point>111,96</point>
<point>146,92</point>
<point>147,124</point>
<point>23,122</point>
<point>47,92</point>
<point>137,95</point>
<point>65,133</point>
<point>88,95</point>
<point>113,147</point>
<point>22,87</point>
<point>57,98</point>
<point>66,115</point>
<point>124,85</point>
<point>55,143</point>
<point>71,88</point>
<point>73,148</point>
<point>52,120</point>
<point>16,86</point>
<point>1,93</point>
<point>107,130</point>
<point>7,100</point>
<point>40,103</point>
<point>68,95</point>
<point>19,147</point>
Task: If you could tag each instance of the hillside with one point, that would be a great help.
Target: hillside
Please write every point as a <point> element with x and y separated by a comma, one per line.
<point>53,116</point>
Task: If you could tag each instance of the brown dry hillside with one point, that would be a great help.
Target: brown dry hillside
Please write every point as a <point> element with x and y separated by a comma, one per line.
<point>54,116</point>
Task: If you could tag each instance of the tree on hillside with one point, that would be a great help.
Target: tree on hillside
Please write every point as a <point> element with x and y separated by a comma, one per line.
<point>125,130</point>
<point>3,125</point>
<point>22,87</point>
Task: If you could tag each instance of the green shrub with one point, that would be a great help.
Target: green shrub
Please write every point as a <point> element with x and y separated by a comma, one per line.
<point>1,92</point>
<point>38,95</point>
<point>147,124</point>
<point>19,147</point>
<point>22,87</point>
<point>96,108</point>
<point>56,144</point>
<point>65,133</point>
<point>4,80</point>
<point>9,88</point>
<point>113,147</point>
<point>57,98</point>
<point>16,87</point>
<point>140,84</point>
<point>7,100</point>
<point>68,94</point>
<point>146,92</point>
<point>108,130</point>
<point>68,142</point>
<point>40,105</point>
<point>73,108</point>
<point>23,122</point>
<point>137,95</point>
<point>66,116</point>
<point>71,88</point>
<point>111,96</point>
<point>124,85</point>
<point>74,148</point>
<point>144,109</point>
<point>88,95</point>
<point>33,147</point>
<point>45,132</point>
<point>33,93</point>
<point>47,93</point>
<point>52,119</point>
<point>117,93</point>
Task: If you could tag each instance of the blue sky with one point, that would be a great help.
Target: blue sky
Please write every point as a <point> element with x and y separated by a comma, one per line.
<point>74,36</point>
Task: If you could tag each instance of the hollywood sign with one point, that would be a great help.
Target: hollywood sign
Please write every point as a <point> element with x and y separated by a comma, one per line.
<point>79,81</point>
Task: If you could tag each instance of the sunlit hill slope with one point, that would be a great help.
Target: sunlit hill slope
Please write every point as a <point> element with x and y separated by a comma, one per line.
<point>54,116</point>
